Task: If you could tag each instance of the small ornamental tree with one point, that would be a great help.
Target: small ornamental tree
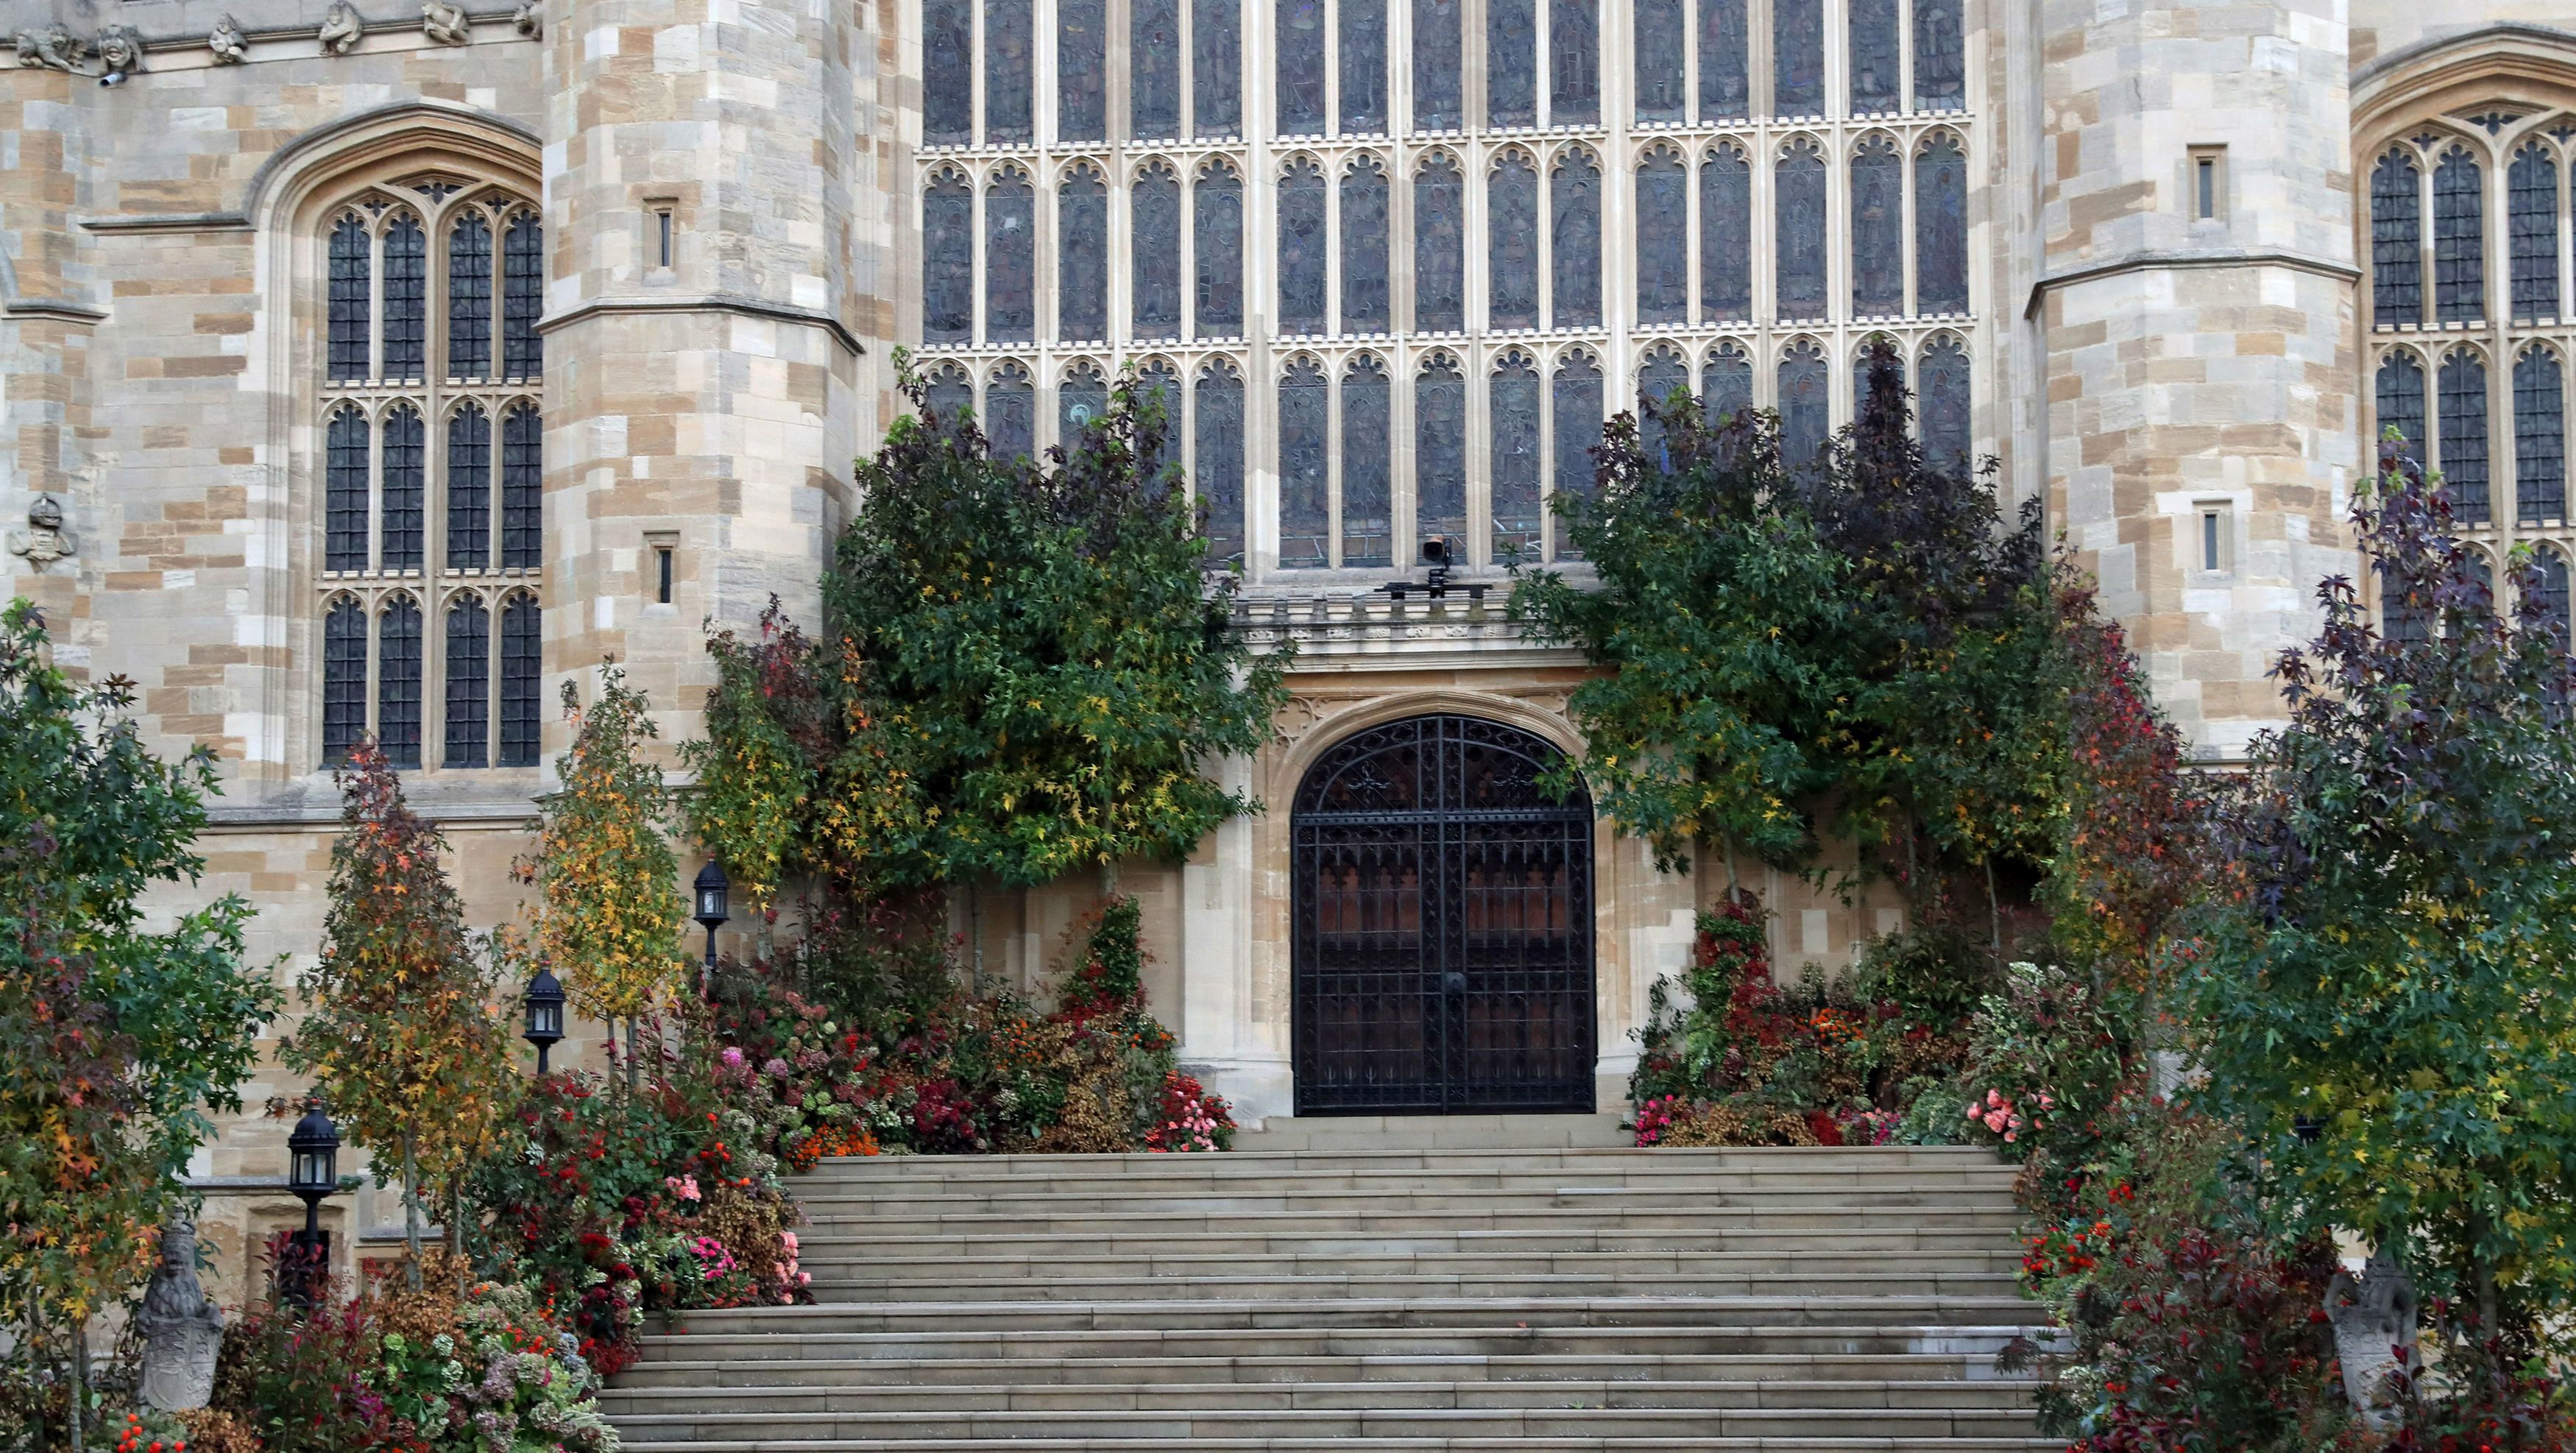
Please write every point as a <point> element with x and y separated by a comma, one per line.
<point>2393,968</point>
<point>404,1031</point>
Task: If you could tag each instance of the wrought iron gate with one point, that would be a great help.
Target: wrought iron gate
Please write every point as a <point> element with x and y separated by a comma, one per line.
<point>1443,939</point>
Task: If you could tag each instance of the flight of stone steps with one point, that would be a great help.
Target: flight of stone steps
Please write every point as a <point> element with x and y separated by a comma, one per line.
<point>1378,1286</point>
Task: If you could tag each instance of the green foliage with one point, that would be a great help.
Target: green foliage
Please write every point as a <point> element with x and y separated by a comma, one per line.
<point>768,723</point>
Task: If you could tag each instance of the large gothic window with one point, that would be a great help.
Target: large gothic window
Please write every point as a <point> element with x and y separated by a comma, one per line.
<point>347,509</point>
<point>523,271</point>
<point>344,679</point>
<point>1940,227</point>
<point>1082,70</point>
<point>406,322</point>
<point>2533,227</point>
<point>1941,403</point>
<point>1573,62</point>
<point>1011,413</point>
<point>1511,62</point>
<point>1940,57</point>
<point>352,302</point>
<point>1797,57</point>
<point>1877,229</point>
<point>2400,394</point>
<point>2462,412</point>
<point>1216,438</point>
<point>1154,68</point>
<point>401,522</point>
<point>1725,235</point>
<point>1082,254</point>
<point>948,259</point>
<point>1663,238</point>
<point>1875,84</point>
<point>1512,419</point>
<point>2539,436</point>
<point>1662,43</point>
<point>1805,403</point>
<point>1725,89</point>
<point>1300,81</point>
<point>522,669</point>
<point>1368,464</point>
<point>1361,45</point>
<point>469,488</point>
<point>1365,303</point>
<point>1216,68</point>
<point>398,680</point>
<point>1574,240</point>
<point>1512,238</point>
<point>1303,262</point>
<point>1080,401</point>
<point>469,683</point>
<point>1305,466</point>
<point>1010,258</point>
<point>1156,250</point>
<point>1575,414</point>
<point>1217,242</point>
<point>2459,239</point>
<point>1726,382</point>
<point>1439,247</point>
<point>1440,451</point>
<point>947,72</point>
<point>522,488</point>
<point>2396,241</point>
<point>469,297</point>
<point>1439,38</point>
<point>1010,64</point>
<point>1798,184</point>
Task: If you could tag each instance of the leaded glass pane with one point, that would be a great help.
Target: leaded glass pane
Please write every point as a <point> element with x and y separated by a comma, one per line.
<point>1364,247</point>
<point>1576,411</point>
<point>404,521</point>
<point>2552,601</point>
<point>1082,255</point>
<point>1941,403</point>
<point>1011,413</point>
<point>1797,57</point>
<point>1877,229</point>
<point>1725,236</point>
<point>522,489</point>
<point>1301,67</point>
<point>1010,68</point>
<point>2533,227</point>
<point>1664,374</point>
<point>2463,421</point>
<point>345,492</point>
<point>1440,453</point>
<point>352,284</point>
<point>1368,453</point>
<point>1363,57</point>
<point>469,297</point>
<point>1875,84</point>
<point>1081,70</point>
<point>1216,452</point>
<point>1726,383</point>
<point>1662,44</point>
<point>469,684</point>
<point>1158,389</point>
<point>469,489</point>
<point>947,73</point>
<point>1154,68</point>
<point>2396,242</point>
<point>2539,437</point>
<point>948,260</point>
<point>1439,247</point>
<point>1156,253</point>
<point>2459,239</point>
<point>1574,235</point>
<point>1511,62</point>
<point>523,281</point>
<point>1940,227</point>
<point>1725,90</point>
<point>1805,404</point>
<point>522,668</point>
<point>1216,67</point>
<point>1663,238</point>
<point>1940,57</point>
<point>1010,259</point>
<point>1511,216</point>
<point>1079,404</point>
<point>1304,266</point>
<point>2400,394</point>
<point>1573,62</point>
<point>948,393</point>
<point>1512,416</point>
<point>398,682</point>
<point>1217,252</point>
<point>1305,470</point>
<point>1799,184</point>
<point>1439,102</point>
<point>344,680</point>
<point>406,298</point>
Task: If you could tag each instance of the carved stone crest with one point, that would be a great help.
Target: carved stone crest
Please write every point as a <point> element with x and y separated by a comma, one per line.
<point>182,1329</point>
<point>53,48</point>
<point>446,24</point>
<point>44,541</point>
<point>341,29</point>
<point>2374,1318</point>
<point>230,45</point>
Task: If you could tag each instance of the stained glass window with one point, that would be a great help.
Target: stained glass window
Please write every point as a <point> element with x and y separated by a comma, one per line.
<point>1082,255</point>
<point>351,285</point>
<point>1363,66</point>
<point>1940,57</point>
<point>469,297</point>
<point>1303,262</point>
<point>1664,374</point>
<point>1216,206</point>
<point>1573,63</point>
<point>1216,454</point>
<point>2539,436</point>
<point>1725,92</point>
<point>1301,67</point>
<point>1940,227</point>
<point>344,680</point>
<point>1862,389</point>
<point>948,393</point>
<point>1663,238</point>
<point>469,488</point>
<point>469,683</point>
<point>1877,228</point>
<point>2533,205</point>
<point>1726,382</point>
<point>2463,420</point>
<point>1011,413</point>
<point>522,489</point>
<point>1081,401</point>
<point>523,275</point>
<point>2553,594</point>
<point>1799,185</point>
<point>1082,70</point>
<point>344,491</point>
<point>1364,247</point>
<point>2396,242</point>
<point>1154,68</point>
<point>1941,403</point>
<point>1439,246</point>
<point>1010,259</point>
<point>1511,217</point>
<point>948,260</point>
<point>1158,384</point>
<point>2459,239</point>
<point>1797,57</point>
<point>398,682</point>
<point>1156,252</point>
<point>1216,67</point>
<point>1439,103</point>
<point>1875,84</point>
<point>1009,68</point>
<point>406,284</point>
<point>2400,393</point>
<point>1576,413</point>
<point>522,668</point>
<point>1305,470</point>
<point>1512,415</point>
<point>1725,235</point>
<point>1511,62</point>
<point>1805,404</point>
<point>1440,452</point>
<point>1662,44</point>
<point>406,490</point>
<point>947,73</point>
<point>1574,236</point>
<point>1368,455</point>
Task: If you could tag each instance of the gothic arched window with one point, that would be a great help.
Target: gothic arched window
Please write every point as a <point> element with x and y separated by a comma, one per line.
<point>1663,237</point>
<point>1726,382</point>
<point>1725,235</point>
<point>1877,228</point>
<point>523,274</point>
<point>1573,63</point>
<point>2532,203</point>
<point>1440,451</point>
<point>352,300</point>
<point>2539,436</point>
<point>1512,417</point>
<point>1940,227</point>
<point>1217,244</point>
<point>1511,222</point>
<point>1575,412</point>
<point>406,325</point>
<point>1664,374</point>
<point>1511,62</point>
<point>1365,303</point>
<point>1875,84</point>
<point>1301,67</point>
<point>1158,385</point>
<point>1010,258</point>
<point>1725,91</point>
<point>1362,50</point>
<point>2552,564</point>
<point>1305,466</point>
<point>1797,57</point>
<point>1082,255</point>
<point>1011,413</point>
<point>1941,403</point>
<point>1155,250</point>
<point>522,669</point>
<point>1368,464</point>
<point>1216,456</point>
<point>469,488</point>
<point>1009,69</point>
<point>2462,414</point>
<point>1154,68</point>
<point>1798,185</point>
<point>345,489</point>
<point>469,683</point>
<point>2396,241</point>
<point>522,489</point>
<point>1438,44</point>
<point>1864,390</point>
<point>1081,70</point>
<point>1805,404</point>
<point>400,518</point>
<point>947,393</point>
<point>469,297</point>
<point>2459,239</point>
<point>1439,246</point>
<point>1574,238</point>
<point>1216,68</point>
<point>1303,262</point>
<point>948,259</point>
<point>1661,44</point>
<point>947,73</point>
<point>1080,401</point>
<point>1940,57</point>
<point>2400,394</point>
<point>398,681</point>
<point>344,679</point>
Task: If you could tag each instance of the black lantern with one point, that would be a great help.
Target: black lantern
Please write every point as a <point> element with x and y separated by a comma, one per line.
<point>545,1015</point>
<point>312,1173</point>
<point>712,889</point>
<point>2308,1128</point>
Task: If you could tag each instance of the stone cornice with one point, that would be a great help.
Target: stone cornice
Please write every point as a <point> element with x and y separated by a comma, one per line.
<point>169,222</point>
<point>61,310</point>
<point>2160,261</point>
<point>1346,632</point>
<point>734,303</point>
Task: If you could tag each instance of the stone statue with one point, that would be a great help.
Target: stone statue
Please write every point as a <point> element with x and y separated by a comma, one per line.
<point>53,48</point>
<point>529,22</point>
<point>341,29</point>
<point>446,24</point>
<point>120,50</point>
<point>44,541</point>
<point>2374,1331</point>
<point>230,46</point>
<point>182,1330</point>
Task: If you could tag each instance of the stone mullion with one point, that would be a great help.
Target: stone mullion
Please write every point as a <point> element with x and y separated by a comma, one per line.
<point>1615,88</point>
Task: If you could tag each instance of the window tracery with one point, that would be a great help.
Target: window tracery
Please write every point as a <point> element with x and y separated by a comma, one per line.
<point>1155,249</point>
<point>1082,254</point>
<point>1368,464</point>
<point>1440,451</point>
<point>1512,412</point>
<point>1366,295</point>
<point>1217,247</point>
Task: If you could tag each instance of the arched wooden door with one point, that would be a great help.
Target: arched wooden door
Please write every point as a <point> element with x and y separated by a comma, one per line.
<point>1443,925</point>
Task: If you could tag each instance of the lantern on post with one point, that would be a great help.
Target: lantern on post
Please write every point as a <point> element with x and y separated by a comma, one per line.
<point>312,1175</point>
<point>545,1003</point>
<point>712,891</point>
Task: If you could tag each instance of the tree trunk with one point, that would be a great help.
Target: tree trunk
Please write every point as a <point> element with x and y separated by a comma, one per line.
<point>975,928</point>
<point>1994,911</point>
<point>455,1215</point>
<point>634,1056</point>
<point>411,1216</point>
<point>2482,1276</point>
<point>80,1380</point>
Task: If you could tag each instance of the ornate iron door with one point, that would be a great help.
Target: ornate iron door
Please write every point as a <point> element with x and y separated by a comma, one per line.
<point>1443,925</point>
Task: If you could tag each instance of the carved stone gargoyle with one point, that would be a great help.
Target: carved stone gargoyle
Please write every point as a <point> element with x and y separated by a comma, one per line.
<point>230,45</point>
<point>44,541</point>
<point>2374,1317</point>
<point>120,50</point>
<point>342,29</point>
<point>446,24</point>
<point>53,48</point>
<point>182,1329</point>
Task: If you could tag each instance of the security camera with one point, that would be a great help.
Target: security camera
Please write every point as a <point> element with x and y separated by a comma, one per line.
<point>1435,551</point>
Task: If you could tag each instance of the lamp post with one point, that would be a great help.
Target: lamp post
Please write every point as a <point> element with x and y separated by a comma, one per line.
<point>545,1003</point>
<point>712,890</point>
<point>312,1173</point>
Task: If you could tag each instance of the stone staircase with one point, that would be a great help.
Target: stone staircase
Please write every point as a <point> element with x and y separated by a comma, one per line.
<point>1539,1294</point>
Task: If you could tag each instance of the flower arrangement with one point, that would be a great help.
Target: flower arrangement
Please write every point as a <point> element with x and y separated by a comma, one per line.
<point>1190,1118</point>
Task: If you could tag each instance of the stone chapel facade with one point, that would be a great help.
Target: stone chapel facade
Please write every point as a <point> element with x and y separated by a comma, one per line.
<point>377,366</point>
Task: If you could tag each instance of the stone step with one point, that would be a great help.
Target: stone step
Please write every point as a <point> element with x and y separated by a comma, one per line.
<point>972,1283</point>
<point>1354,1312</point>
<point>1829,1395</point>
<point>1343,1240</point>
<point>1346,1133</point>
<point>955,1369</point>
<point>1204,1170</point>
<point>907,1207</point>
<point>1686,1444</point>
<point>848,1260</point>
<point>761,1422</point>
<point>1184,1223</point>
